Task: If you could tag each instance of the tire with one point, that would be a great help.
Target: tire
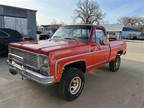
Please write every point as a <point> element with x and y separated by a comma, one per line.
<point>115,65</point>
<point>67,89</point>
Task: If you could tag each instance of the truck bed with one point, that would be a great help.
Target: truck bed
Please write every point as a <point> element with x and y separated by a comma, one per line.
<point>117,46</point>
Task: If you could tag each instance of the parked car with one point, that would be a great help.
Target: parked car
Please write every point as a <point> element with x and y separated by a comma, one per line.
<point>73,51</point>
<point>141,36</point>
<point>45,35</point>
<point>133,37</point>
<point>7,36</point>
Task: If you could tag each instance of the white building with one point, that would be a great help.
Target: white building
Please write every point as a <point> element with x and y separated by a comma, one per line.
<point>114,30</point>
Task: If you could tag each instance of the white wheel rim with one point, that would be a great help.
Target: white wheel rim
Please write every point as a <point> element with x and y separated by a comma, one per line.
<point>75,85</point>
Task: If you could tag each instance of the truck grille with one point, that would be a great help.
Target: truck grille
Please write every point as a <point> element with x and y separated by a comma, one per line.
<point>30,59</point>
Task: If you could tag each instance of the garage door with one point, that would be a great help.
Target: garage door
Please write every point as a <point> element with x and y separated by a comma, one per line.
<point>19,24</point>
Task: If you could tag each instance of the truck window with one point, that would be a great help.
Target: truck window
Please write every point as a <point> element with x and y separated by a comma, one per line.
<point>99,34</point>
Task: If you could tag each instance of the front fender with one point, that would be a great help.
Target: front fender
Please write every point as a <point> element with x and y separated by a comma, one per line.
<point>60,66</point>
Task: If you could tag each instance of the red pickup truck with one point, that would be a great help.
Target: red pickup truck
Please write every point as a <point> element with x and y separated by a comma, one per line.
<point>65,58</point>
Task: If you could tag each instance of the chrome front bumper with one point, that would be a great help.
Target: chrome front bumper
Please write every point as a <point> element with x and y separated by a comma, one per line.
<point>45,80</point>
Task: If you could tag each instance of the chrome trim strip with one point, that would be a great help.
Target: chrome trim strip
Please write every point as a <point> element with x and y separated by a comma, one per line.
<point>75,56</point>
<point>16,56</point>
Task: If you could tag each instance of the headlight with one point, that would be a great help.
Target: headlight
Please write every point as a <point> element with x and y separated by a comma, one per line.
<point>44,65</point>
<point>43,60</point>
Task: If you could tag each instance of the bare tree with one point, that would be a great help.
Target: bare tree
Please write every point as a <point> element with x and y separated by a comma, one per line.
<point>133,22</point>
<point>125,21</point>
<point>88,12</point>
<point>129,21</point>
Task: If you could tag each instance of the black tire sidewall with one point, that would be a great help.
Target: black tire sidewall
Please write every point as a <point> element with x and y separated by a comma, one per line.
<point>65,83</point>
<point>113,64</point>
<point>118,59</point>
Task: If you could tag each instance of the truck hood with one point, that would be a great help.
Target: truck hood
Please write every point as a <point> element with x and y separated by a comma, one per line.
<point>47,45</point>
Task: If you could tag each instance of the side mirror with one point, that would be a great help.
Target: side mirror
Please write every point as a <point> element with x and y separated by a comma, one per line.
<point>105,40</point>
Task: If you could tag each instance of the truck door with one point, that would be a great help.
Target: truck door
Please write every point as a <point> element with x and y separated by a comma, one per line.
<point>102,51</point>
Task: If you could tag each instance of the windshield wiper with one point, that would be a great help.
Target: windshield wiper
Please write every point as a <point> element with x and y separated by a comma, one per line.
<point>56,37</point>
<point>70,38</point>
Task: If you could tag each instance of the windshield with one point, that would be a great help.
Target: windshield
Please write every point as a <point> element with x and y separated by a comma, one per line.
<point>80,33</point>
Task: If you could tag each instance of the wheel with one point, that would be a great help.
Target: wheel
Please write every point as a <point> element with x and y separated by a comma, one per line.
<point>115,65</point>
<point>72,84</point>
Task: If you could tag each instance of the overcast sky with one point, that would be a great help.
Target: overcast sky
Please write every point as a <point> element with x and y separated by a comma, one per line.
<point>62,10</point>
